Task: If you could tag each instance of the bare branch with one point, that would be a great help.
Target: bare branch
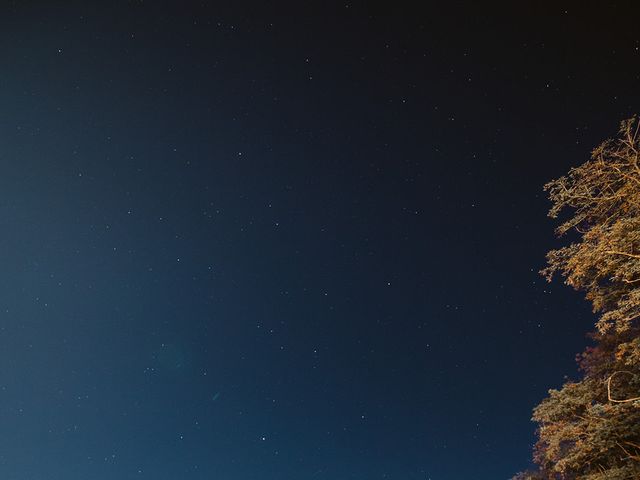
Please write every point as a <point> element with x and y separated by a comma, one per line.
<point>613,400</point>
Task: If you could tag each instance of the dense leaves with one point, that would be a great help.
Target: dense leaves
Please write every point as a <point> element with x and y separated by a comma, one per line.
<point>603,195</point>
<point>590,429</point>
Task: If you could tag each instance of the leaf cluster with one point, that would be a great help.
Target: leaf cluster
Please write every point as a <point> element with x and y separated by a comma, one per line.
<point>603,198</point>
<point>590,429</point>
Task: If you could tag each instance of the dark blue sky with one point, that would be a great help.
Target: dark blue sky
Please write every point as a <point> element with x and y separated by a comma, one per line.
<point>285,242</point>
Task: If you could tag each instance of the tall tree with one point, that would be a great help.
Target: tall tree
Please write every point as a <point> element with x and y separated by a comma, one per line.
<point>590,429</point>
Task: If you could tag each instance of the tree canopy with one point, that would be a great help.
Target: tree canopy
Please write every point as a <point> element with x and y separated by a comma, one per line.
<point>590,428</point>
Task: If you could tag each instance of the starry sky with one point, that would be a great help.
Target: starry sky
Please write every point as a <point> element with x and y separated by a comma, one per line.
<point>280,241</point>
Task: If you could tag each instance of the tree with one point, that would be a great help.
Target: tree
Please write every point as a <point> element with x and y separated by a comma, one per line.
<point>590,429</point>
<point>604,197</point>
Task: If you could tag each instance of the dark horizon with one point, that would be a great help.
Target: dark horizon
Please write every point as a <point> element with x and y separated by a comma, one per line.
<point>248,241</point>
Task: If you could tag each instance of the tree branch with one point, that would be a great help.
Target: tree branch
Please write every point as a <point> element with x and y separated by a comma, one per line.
<point>616,252</point>
<point>613,400</point>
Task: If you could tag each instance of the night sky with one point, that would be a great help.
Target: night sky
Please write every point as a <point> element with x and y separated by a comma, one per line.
<point>290,241</point>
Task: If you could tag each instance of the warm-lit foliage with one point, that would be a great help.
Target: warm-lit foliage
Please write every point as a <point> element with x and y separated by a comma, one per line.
<point>603,195</point>
<point>590,429</point>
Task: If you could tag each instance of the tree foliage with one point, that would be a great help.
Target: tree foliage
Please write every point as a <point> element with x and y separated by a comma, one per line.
<point>603,195</point>
<point>590,429</point>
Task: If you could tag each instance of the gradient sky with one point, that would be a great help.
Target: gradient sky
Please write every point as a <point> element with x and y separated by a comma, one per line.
<point>290,241</point>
